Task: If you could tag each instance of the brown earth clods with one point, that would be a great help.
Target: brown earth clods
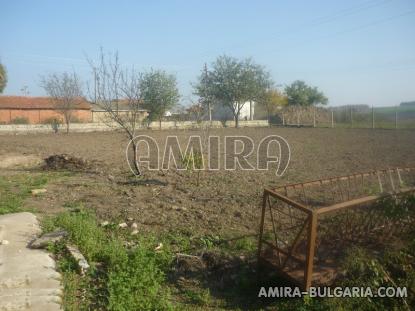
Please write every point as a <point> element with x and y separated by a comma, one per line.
<point>66,162</point>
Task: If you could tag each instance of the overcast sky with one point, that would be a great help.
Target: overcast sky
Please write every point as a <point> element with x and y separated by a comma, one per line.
<point>356,52</point>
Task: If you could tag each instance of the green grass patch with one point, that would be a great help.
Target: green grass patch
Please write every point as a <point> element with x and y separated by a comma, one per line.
<point>120,278</point>
<point>16,188</point>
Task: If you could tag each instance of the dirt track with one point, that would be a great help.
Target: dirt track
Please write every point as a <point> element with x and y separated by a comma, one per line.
<point>226,201</point>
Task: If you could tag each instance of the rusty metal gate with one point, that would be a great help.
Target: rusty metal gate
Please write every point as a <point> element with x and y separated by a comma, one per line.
<point>305,225</point>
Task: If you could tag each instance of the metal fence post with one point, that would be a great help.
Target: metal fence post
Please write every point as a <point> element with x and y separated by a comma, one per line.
<point>373,117</point>
<point>311,245</point>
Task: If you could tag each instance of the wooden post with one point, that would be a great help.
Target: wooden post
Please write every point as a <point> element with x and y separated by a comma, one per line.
<point>332,118</point>
<point>261,226</point>
<point>314,117</point>
<point>311,244</point>
<point>373,117</point>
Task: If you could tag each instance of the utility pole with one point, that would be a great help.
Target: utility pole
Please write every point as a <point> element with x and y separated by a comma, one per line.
<point>206,94</point>
<point>95,87</point>
<point>396,117</point>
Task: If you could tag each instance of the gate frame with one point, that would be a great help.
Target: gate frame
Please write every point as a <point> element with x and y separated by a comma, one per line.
<point>313,216</point>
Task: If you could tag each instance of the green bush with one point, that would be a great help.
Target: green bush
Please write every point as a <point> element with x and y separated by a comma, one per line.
<point>20,120</point>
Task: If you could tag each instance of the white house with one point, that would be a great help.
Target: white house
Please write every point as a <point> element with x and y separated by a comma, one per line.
<point>224,113</point>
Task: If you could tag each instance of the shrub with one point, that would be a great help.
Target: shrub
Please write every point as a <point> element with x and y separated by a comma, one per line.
<point>193,161</point>
<point>55,123</point>
<point>20,120</point>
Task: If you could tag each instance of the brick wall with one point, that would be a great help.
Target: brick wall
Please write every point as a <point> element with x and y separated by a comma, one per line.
<point>38,116</point>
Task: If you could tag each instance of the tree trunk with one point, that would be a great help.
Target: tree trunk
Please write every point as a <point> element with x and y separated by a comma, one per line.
<point>236,115</point>
<point>251,111</point>
<point>160,123</point>
<point>67,125</point>
<point>135,161</point>
<point>236,121</point>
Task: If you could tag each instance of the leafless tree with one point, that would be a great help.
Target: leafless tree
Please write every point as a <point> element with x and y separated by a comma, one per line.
<point>196,111</point>
<point>65,90</point>
<point>114,85</point>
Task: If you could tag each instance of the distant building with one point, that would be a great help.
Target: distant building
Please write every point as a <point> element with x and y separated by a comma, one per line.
<point>221,112</point>
<point>100,115</point>
<point>37,110</point>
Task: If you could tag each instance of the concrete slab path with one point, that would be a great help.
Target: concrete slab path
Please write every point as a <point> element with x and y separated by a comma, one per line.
<point>28,278</point>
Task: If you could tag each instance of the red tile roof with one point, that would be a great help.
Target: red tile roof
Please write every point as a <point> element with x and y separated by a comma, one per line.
<point>24,102</point>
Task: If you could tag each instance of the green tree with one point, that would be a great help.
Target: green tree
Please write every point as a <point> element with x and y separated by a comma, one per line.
<point>271,100</point>
<point>232,83</point>
<point>3,78</point>
<point>159,93</point>
<point>300,94</point>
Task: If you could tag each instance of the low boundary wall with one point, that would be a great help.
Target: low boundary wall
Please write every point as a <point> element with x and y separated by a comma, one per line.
<point>14,129</point>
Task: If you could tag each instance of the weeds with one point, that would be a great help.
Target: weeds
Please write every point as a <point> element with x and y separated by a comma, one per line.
<point>193,162</point>
<point>15,189</point>
<point>119,278</point>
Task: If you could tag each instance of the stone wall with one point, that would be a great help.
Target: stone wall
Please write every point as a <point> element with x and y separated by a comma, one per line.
<point>15,129</point>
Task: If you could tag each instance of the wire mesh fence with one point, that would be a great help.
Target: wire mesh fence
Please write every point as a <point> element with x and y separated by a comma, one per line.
<point>352,116</point>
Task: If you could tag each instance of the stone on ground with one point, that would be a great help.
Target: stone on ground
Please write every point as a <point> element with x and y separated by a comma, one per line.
<point>48,238</point>
<point>28,278</point>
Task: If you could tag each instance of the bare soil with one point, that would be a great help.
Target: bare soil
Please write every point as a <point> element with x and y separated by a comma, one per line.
<point>225,202</point>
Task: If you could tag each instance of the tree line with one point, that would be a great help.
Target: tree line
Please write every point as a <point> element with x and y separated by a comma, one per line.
<point>228,82</point>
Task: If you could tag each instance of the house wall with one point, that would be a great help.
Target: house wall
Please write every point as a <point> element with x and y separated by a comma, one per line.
<point>102,116</point>
<point>225,113</point>
<point>37,116</point>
